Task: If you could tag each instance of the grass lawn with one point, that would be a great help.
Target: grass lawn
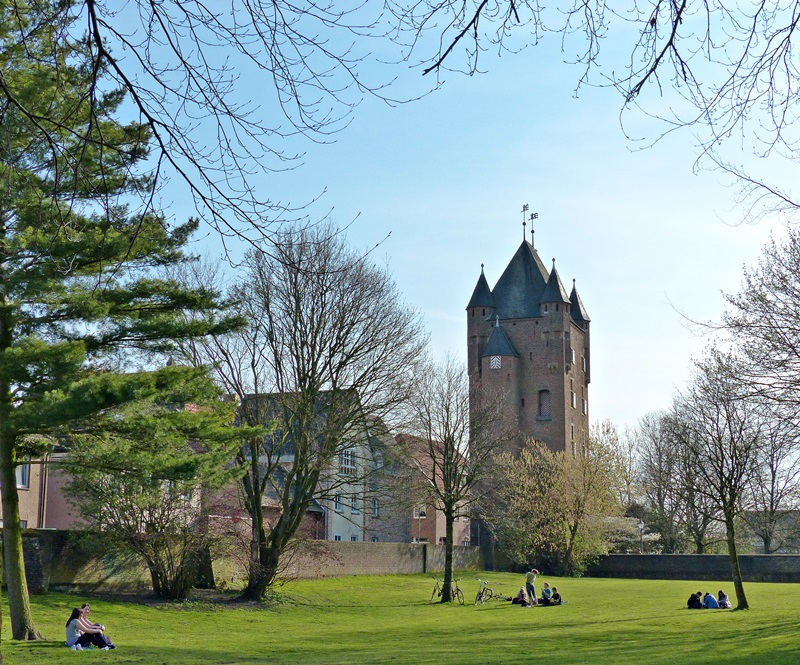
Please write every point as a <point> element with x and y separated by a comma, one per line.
<point>356,620</point>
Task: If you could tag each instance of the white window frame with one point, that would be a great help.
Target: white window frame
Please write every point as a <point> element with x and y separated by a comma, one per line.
<point>347,462</point>
<point>22,476</point>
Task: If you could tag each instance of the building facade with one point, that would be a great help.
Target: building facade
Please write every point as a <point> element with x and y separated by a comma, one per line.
<point>528,344</point>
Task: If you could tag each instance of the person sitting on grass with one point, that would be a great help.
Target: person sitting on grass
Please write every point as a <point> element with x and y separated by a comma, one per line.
<point>547,595</point>
<point>80,636</point>
<point>723,600</point>
<point>709,602</point>
<point>556,599</point>
<point>84,620</point>
<point>521,598</point>
<point>695,602</point>
<point>86,623</point>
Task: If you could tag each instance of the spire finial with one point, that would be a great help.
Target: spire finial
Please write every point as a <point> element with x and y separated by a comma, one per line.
<point>524,210</point>
<point>554,263</point>
<point>533,216</point>
<point>482,269</point>
<point>496,320</point>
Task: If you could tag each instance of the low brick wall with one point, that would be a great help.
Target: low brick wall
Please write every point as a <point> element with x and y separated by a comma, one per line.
<point>754,567</point>
<point>332,559</point>
<point>70,559</point>
<point>58,559</point>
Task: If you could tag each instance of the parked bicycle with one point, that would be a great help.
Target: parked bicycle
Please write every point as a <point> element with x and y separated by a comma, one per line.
<point>484,593</point>
<point>457,593</point>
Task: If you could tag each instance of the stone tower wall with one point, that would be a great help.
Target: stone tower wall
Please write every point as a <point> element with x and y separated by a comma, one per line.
<point>545,345</point>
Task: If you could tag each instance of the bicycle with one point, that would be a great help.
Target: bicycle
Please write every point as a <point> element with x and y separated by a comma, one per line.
<point>484,593</point>
<point>457,593</point>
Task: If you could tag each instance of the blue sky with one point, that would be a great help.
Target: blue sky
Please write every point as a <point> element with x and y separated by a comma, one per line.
<point>445,178</point>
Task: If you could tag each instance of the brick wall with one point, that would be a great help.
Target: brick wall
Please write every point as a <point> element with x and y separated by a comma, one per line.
<point>754,567</point>
<point>64,559</point>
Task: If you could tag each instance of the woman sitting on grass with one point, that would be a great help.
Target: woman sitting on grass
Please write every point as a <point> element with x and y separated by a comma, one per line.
<point>80,635</point>
<point>556,599</point>
<point>521,598</point>
<point>723,600</point>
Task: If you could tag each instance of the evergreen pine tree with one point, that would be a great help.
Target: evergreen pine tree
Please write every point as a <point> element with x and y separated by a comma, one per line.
<point>81,297</point>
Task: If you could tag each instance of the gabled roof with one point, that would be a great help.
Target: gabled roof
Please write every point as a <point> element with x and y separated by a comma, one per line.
<point>482,295</point>
<point>518,291</point>
<point>554,290</point>
<point>499,344</point>
<point>578,310</point>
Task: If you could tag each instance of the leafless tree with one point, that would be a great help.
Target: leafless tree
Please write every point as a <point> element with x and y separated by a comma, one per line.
<point>763,320</point>
<point>330,350</point>
<point>223,89</point>
<point>773,494</point>
<point>660,472</point>
<point>730,67</point>
<point>452,446</point>
<point>624,466</point>
<point>725,430</point>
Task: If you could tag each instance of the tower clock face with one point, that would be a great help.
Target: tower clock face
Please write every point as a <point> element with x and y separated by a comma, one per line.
<point>494,362</point>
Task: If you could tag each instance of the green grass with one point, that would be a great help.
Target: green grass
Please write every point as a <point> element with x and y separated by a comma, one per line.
<point>389,619</point>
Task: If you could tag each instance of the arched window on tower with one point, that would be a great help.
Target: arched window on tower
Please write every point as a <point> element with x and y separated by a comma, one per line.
<point>544,404</point>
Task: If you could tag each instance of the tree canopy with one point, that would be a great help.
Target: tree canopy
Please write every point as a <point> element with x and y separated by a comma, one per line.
<point>82,297</point>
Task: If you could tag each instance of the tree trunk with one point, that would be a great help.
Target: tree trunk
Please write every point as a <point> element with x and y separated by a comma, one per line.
<point>736,572</point>
<point>267,561</point>
<point>767,542</point>
<point>447,586</point>
<point>19,608</point>
<point>205,564</point>
<point>1,597</point>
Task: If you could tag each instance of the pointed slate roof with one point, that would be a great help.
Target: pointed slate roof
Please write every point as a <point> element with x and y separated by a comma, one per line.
<point>578,310</point>
<point>482,295</point>
<point>499,344</point>
<point>554,291</point>
<point>520,287</point>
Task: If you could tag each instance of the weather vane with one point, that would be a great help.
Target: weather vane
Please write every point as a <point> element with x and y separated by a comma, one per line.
<point>534,215</point>
<point>524,223</point>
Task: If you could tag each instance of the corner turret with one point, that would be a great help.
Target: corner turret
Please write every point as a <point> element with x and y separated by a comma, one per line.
<point>482,295</point>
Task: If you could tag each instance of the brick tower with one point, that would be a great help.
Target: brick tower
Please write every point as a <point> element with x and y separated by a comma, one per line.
<point>528,341</point>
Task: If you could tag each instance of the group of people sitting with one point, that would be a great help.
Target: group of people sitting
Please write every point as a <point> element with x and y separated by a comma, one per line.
<point>82,633</point>
<point>697,601</point>
<point>549,597</point>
